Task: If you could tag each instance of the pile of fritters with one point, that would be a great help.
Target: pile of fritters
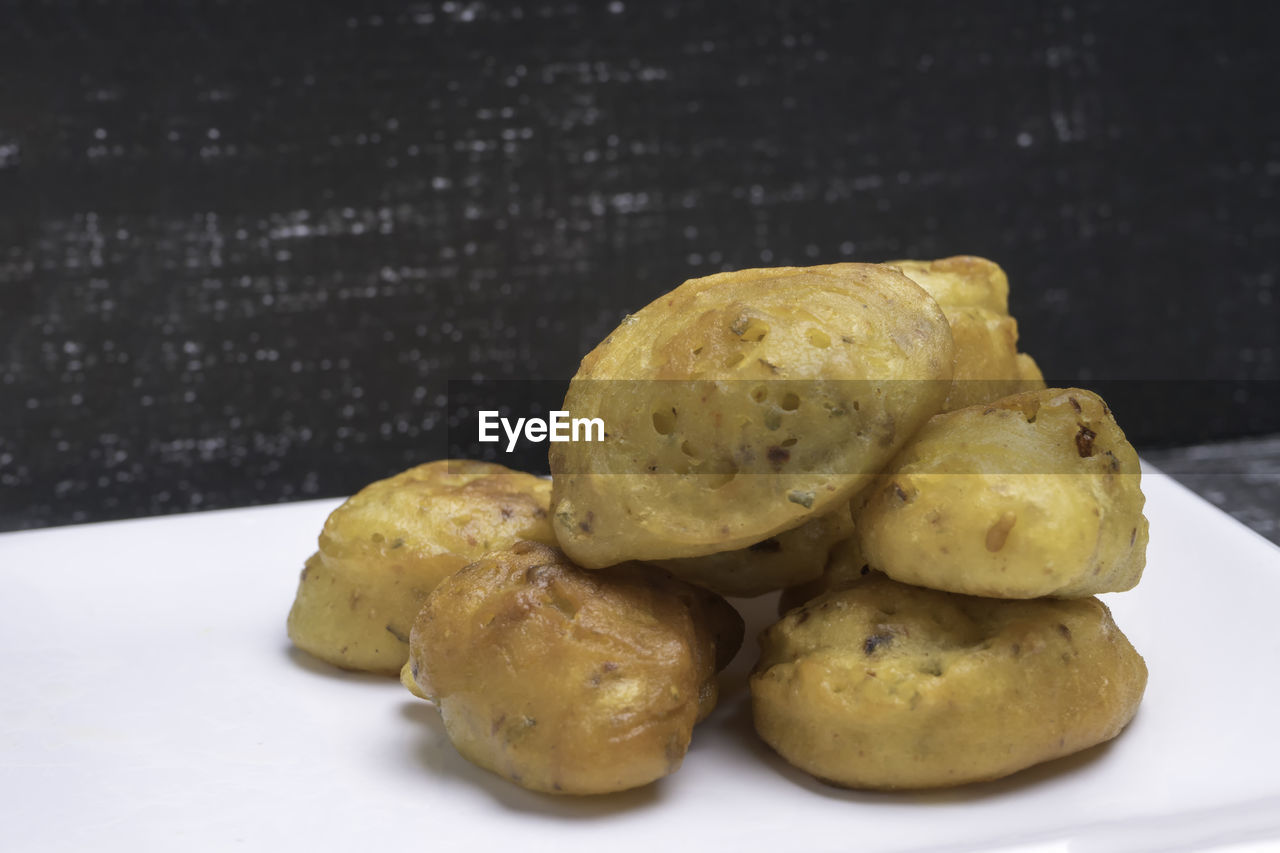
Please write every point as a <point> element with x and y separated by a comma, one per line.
<point>865,437</point>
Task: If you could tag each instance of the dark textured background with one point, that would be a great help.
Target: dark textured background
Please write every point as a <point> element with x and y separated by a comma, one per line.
<point>243,246</point>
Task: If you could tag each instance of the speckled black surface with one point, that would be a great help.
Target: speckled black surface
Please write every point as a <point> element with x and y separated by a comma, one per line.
<point>243,246</point>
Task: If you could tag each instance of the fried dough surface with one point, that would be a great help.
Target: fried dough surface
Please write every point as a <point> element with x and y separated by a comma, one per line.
<point>743,404</point>
<point>570,681</point>
<point>1035,494</point>
<point>388,546</point>
<point>888,686</point>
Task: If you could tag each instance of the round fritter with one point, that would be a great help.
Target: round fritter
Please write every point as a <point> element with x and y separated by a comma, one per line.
<point>1036,494</point>
<point>791,557</point>
<point>570,681</point>
<point>974,296</point>
<point>743,404</point>
<point>884,685</point>
<point>387,547</point>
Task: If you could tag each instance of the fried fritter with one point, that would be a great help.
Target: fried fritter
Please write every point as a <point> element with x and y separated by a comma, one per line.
<point>743,404</point>
<point>570,681</point>
<point>884,685</point>
<point>1035,494</point>
<point>387,547</point>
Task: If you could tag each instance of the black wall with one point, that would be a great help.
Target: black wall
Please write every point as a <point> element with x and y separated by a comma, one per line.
<point>244,246</point>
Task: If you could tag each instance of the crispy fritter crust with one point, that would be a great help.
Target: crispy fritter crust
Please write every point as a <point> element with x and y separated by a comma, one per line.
<point>387,547</point>
<point>743,404</point>
<point>888,686</point>
<point>1036,494</point>
<point>570,681</point>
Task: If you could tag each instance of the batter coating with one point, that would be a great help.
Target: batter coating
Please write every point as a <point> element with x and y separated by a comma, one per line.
<point>743,404</point>
<point>570,681</point>
<point>884,685</point>
<point>388,546</point>
<point>1035,494</point>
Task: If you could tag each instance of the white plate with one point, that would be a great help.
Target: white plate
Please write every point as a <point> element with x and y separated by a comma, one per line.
<point>150,699</point>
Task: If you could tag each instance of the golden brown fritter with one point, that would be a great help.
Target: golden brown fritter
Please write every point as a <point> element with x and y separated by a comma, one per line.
<point>885,685</point>
<point>387,547</point>
<point>1036,494</point>
<point>570,681</point>
<point>741,405</point>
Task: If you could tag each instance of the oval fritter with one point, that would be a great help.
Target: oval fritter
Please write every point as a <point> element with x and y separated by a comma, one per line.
<point>887,686</point>
<point>1035,494</point>
<point>743,404</point>
<point>570,681</point>
<point>388,546</point>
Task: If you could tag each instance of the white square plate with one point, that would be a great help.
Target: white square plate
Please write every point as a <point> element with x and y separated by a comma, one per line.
<point>149,699</point>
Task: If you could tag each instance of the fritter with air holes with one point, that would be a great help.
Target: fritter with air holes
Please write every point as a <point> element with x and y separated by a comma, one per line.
<point>743,404</point>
